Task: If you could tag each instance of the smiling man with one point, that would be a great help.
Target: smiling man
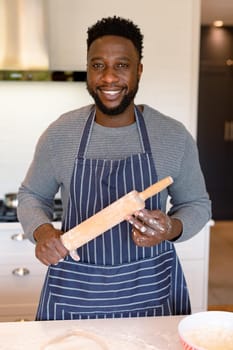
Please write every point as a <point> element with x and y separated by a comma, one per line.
<point>95,155</point>
<point>114,69</point>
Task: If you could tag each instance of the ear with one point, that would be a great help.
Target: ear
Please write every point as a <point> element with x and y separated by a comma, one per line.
<point>140,70</point>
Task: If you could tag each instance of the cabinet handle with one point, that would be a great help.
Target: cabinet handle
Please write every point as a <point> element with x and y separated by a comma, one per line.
<point>18,237</point>
<point>228,130</point>
<point>20,271</point>
<point>21,320</point>
<point>229,62</point>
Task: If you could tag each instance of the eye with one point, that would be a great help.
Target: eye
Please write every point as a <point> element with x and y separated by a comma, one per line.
<point>122,65</point>
<point>97,66</point>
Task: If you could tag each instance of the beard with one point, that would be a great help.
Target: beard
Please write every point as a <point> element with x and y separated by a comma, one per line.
<point>125,102</point>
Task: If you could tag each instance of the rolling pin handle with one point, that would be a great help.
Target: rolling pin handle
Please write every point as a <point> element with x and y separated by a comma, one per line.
<point>156,188</point>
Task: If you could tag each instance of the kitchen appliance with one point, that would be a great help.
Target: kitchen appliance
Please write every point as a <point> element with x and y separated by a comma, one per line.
<point>11,200</point>
<point>28,42</point>
<point>7,214</point>
<point>8,208</point>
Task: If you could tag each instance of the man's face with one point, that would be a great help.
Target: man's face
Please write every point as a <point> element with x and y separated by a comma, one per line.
<point>113,73</point>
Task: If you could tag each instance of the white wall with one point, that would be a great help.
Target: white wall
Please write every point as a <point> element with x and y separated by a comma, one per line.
<point>169,82</point>
<point>26,110</point>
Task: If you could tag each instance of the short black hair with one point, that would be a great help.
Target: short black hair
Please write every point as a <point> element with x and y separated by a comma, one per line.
<point>116,26</point>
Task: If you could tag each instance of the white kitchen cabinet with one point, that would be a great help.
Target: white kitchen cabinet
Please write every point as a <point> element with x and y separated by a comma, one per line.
<point>194,258</point>
<point>22,275</point>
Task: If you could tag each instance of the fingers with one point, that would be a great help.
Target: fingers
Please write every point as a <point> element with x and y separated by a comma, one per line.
<point>136,221</point>
<point>153,223</point>
<point>146,221</point>
<point>50,251</point>
<point>49,248</point>
<point>74,255</point>
<point>152,220</point>
<point>138,238</point>
<point>49,258</point>
<point>143,240</point>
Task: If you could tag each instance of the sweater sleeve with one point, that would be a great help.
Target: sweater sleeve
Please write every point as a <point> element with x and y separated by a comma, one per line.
<point>37,191</point>
<point>189,198</point>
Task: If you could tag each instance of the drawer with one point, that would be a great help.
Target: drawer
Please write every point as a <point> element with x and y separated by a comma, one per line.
<point>12,240</point>
<point>17,313</point>
<point>20,290</point>
<point>21,268</point>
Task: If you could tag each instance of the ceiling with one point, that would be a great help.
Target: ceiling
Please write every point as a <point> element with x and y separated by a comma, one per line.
<point>212,10</point>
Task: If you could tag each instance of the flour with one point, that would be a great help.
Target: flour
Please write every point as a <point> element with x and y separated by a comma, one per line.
<point>76,340</point>
<point>83,340</point>
<point>211,338</point>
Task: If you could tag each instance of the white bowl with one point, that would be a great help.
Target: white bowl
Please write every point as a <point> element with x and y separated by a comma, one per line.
<point>208,330</point>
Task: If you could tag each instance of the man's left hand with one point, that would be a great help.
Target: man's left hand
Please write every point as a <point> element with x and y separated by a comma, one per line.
<point>151,227</point>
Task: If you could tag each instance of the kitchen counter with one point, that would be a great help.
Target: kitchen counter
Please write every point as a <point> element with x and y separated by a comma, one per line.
<point>149,333</point>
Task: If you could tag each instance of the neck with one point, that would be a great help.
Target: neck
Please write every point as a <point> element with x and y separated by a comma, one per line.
<point>116,121</point>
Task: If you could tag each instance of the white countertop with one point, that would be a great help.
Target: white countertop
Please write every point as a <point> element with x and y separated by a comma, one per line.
<point>149,333</point>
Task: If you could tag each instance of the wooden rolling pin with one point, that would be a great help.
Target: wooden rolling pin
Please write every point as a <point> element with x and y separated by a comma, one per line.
<point>110,216</point>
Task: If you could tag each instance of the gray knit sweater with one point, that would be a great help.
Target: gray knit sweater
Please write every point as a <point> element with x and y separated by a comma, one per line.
<point>174,152</point>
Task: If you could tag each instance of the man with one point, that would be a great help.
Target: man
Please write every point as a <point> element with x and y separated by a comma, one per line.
<point>95,155</point>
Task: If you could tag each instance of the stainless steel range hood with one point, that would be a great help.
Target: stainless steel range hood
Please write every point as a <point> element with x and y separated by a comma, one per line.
<point>24,36</point>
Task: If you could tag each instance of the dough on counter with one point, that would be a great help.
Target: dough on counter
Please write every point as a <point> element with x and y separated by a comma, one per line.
<point>87,340</point>
<point>80,340</point>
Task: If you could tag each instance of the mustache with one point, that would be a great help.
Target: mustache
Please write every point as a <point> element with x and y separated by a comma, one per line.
<point>127,99</point>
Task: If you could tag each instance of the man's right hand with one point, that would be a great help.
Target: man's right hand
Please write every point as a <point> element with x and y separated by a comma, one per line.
<point>49,248</point>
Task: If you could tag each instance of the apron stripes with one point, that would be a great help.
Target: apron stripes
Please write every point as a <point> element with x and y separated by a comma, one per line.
<point>114,277</point>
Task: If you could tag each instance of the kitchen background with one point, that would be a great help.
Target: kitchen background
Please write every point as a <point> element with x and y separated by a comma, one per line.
<point>170,82</point>
<point>215,142</point>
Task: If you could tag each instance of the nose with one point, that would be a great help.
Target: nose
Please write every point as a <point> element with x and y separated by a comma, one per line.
<point>110,75</point>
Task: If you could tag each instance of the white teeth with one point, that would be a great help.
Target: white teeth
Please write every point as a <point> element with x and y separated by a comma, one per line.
<point>111,92</point>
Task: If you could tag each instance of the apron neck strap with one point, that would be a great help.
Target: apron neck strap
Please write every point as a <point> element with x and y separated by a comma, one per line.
<point>143,135</point>
<point>144,138</point>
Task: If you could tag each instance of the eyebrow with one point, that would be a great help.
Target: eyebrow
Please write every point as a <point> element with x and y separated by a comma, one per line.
<point>123,58</point>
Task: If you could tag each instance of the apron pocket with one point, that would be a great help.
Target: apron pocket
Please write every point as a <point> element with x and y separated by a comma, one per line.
<point>141,288</point>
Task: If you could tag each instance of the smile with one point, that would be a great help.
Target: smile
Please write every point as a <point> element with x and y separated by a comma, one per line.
<point>112,95</point>
<point>110,92</point>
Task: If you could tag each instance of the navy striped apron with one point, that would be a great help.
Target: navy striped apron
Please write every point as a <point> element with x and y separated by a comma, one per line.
<point>114,277</point>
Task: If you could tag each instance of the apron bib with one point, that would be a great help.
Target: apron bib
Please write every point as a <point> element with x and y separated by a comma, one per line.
<point>114,277</point>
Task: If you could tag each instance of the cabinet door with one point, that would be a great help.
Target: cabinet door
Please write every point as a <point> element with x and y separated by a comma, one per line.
<point>194,258</point>
<point>21,275</point>
<point>215,117</point>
